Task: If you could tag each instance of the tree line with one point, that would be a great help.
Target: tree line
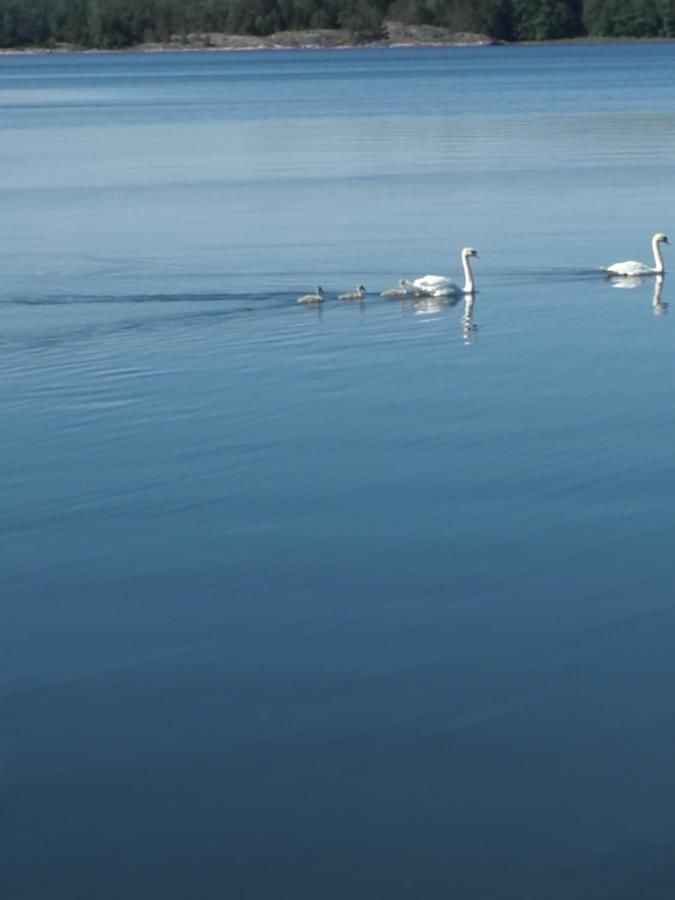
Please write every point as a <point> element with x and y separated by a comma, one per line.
<point>124,23</point>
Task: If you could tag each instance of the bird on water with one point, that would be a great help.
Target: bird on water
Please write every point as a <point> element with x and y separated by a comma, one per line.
<point>631,267</point>
<point>312,298</point>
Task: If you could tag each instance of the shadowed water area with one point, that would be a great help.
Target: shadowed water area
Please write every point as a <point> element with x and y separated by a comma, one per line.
<point>372,600</point>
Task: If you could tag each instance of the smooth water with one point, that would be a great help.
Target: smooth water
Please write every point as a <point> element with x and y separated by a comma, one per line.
<point>373,601</point>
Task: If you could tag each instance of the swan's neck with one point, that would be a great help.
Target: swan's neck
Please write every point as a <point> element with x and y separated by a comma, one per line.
<point>468,276</point>
<point>658,259</point>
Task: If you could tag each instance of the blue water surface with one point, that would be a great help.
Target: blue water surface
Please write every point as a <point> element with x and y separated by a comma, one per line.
<point>371,601</point>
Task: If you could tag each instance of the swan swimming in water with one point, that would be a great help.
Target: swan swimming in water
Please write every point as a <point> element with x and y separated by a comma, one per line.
<point>400,291</point>
<point>312,298</point>
<point>358,294</point>
<point>440,286</point>
<point>631,267</point>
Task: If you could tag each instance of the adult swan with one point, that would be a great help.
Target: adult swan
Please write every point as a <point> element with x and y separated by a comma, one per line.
<point>440,286</point>
<point>631,267</point>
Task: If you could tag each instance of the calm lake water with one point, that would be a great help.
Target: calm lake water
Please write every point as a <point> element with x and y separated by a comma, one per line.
<point>375,602</point>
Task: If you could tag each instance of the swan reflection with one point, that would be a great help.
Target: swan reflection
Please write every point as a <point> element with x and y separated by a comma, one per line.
<point>433,306</point>
<point>428,306</point>
<point>469,327</point>
<point>629,282</point>
<point>659,307</point>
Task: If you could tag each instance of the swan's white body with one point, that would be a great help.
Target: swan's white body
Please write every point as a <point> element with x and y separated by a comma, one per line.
<point>312,298</point>
<point>440,286</point>
<point>400,291</point>
<point>631,267</point>
<point>358,294</point>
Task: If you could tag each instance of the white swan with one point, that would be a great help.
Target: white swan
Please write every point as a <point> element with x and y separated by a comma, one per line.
<point>400,291</point>
<point>358,294</point>
<point>312,298</point>
<point>440,286</point>
<point>631,267</point>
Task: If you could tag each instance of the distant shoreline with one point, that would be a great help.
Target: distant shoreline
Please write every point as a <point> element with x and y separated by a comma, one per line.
<point>248,43</point>
<point>595,40</point>
<point>173,48</point>
<point>395,35</point>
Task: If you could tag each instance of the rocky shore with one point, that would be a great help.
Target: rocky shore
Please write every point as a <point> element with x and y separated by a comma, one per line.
<point>395,34</point>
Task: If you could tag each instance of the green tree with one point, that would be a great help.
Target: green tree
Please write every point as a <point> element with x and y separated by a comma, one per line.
<point>94,24</point>
<point>363,19</point>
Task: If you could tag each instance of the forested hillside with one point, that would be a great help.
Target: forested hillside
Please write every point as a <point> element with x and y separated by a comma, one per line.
<point>123,23</point>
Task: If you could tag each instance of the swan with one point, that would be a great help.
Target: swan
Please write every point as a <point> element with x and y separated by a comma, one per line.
<point>358,294</point>
<point>400,291</point>
<point>440,286</point>
<point>312,298</point>
<point>631,267</point>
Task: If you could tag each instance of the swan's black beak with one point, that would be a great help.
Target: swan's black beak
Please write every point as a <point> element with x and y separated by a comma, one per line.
<point>666,241</point>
